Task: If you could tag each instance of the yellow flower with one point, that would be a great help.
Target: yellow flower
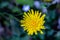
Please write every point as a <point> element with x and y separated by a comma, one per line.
<point>33,22</point>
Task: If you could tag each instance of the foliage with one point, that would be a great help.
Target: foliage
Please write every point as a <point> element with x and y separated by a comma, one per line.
<point>11,13</point>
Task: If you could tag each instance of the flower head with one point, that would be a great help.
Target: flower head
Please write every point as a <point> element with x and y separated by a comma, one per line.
<point>33,22</point>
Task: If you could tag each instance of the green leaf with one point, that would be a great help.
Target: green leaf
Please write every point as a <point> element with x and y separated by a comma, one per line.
<point>25,38</point>
<point>4,4</point>
<point>15,9</point>
<point>25,2</point>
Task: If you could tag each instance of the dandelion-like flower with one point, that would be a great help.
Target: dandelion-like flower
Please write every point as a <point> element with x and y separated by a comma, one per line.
<point>33,22</point>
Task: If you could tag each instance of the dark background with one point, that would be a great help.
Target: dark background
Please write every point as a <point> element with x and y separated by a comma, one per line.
<point>11,12</point>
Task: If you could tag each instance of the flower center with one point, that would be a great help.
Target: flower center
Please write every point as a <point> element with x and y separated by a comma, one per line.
<point>33,23</point>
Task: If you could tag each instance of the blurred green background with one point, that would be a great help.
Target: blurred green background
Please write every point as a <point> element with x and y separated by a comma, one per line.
<point>11,12</point>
